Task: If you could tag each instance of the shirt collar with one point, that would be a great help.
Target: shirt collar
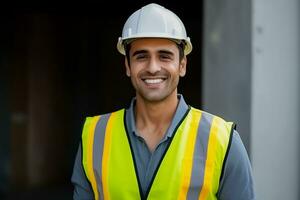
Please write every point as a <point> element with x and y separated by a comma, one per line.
<point>181,109</point>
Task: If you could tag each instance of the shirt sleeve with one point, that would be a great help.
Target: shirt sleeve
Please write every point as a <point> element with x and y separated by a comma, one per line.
<point>82,187</point>
<point>237,180</point>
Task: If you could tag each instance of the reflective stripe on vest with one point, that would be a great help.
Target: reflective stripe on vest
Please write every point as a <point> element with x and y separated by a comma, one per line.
<point>191,167</point>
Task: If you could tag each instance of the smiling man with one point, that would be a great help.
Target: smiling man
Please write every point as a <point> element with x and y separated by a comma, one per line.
<point>159,148</point>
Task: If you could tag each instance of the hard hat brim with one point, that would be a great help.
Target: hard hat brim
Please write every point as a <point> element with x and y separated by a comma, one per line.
<point>121,42</point>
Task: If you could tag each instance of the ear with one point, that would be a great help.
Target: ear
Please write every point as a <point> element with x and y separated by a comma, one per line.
<point>127,67</point>
<point>182,66</point>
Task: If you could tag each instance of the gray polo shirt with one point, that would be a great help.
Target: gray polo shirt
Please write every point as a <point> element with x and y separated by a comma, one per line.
<point>237,181</point>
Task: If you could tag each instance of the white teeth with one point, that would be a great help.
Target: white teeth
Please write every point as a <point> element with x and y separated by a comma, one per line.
<point>153,81</point>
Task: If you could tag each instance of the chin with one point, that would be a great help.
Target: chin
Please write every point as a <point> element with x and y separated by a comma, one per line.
<point>154,97</point>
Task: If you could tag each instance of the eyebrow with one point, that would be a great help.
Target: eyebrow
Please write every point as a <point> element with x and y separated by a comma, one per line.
<point>160,51</point>
<point>139,52</point>
<point>166,52</point>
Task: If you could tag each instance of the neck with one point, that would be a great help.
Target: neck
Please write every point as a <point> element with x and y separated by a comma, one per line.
<point>154,118</point>
<point>155,113</point>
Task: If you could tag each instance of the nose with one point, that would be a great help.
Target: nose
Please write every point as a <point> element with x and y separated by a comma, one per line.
<point>154,66</point>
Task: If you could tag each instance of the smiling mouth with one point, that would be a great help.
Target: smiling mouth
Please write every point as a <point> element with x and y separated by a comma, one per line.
<point>154,81</point>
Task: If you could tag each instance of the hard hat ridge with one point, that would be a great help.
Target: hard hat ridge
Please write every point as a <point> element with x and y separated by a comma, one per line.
<point>154,21</point>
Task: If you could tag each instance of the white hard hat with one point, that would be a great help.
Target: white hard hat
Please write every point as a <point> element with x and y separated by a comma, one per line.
<point>154,21</point>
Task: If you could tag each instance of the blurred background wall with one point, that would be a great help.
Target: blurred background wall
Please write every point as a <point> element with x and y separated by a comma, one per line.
<point>251,73</point>
<point>59,64</point>
<point>275,99</point>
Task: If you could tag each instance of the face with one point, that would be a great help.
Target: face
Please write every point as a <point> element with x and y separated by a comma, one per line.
<point>155,68</point>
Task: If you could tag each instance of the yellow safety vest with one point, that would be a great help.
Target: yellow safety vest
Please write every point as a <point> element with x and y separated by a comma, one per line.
<point>191,167</point>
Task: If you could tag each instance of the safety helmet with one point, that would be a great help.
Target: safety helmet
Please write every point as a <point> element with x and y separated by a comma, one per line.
<point>154,21</point>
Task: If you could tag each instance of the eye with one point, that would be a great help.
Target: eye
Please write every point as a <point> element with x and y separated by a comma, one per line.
<point>165,57</point>
<point>141,56</point>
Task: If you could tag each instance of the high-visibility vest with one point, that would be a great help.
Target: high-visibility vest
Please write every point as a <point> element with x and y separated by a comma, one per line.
<point>191,167</point>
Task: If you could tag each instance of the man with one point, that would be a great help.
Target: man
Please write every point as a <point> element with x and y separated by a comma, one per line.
<point>159,147</point>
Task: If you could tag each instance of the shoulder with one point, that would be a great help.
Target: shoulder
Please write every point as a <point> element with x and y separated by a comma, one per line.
<point>105,115</point>
<point>218,131</point>
<point>237,153</point>
<point>207,114</point>
<point>91,122</point>
<point>215,120</point>
<point>237,172</point>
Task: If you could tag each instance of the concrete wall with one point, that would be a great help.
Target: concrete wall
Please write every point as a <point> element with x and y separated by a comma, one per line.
<point>251,75</point>
<point>227,62</point>
<point>275,98</point>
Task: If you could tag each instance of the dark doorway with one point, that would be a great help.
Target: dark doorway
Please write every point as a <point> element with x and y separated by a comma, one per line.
<point>62,66</point>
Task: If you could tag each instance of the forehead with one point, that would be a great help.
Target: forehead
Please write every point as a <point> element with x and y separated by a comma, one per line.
<point>153,44</point>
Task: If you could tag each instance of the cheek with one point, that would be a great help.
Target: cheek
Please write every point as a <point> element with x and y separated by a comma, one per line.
<point>135,71</point>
